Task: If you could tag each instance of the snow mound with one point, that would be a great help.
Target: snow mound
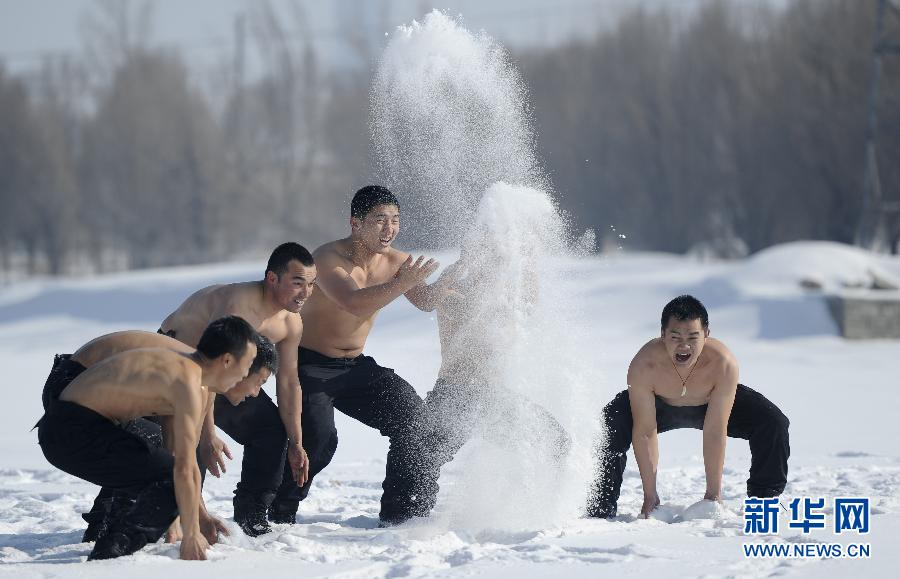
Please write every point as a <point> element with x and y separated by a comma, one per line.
<point>828,266</point>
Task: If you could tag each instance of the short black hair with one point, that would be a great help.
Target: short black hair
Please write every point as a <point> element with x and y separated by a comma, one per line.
<point>286,253</point>
<point>684,308</point>
<point>228,335</point>
<point>266,356</point>
<point>370,196</point>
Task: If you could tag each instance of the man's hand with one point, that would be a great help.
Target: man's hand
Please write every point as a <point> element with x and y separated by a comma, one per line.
<point>173,533</point>
<point>412,273</point>
<point>650,504</point>
<point>299,463</point>
<point>213,455</point>
<point>210,527</point>
<point>194,548</point>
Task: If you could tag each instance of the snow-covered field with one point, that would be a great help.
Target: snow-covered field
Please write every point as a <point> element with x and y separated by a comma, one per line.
<point>840,395</point>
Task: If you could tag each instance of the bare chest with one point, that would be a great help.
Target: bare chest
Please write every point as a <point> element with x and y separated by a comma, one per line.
<point>685,388</point>
<point>369,277</point>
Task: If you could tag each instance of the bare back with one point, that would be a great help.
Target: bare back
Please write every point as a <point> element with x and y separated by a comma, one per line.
<point>653,367</point>
<point>143,382</point>
<point>245,299</point>
<point>109,345</point>
<point>331,330</point>
<point>469,348</point>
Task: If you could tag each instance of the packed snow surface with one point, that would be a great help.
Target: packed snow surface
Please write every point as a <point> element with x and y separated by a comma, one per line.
<point>841,397</point>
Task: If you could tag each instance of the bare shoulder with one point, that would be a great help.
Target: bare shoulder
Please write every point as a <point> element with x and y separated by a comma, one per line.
<point>332,253</point>
<point>644,362</point>
<point>237,292</point>
<point>205,293</point>
<point>722,357</point>
<point>187,381</point>
<point>236,299</point>
<point>397,257</point>
<point>647,357</point>
<point>186,369</point>
<point>293,323</point>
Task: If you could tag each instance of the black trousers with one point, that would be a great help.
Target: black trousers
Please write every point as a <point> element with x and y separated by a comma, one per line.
<point>89,446</point>
<point>255,424</point>
<point>61,375</point>
<point>753,418</point>
<point>378,398</point>
<point>454,413</point>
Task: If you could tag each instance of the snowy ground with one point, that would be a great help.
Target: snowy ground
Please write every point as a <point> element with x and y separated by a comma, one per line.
<point>841,397</point>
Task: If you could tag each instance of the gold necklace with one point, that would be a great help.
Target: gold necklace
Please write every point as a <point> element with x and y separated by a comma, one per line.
<point>684,380</point>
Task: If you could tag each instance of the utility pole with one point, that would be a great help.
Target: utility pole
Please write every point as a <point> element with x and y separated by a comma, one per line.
<point>879,222</point>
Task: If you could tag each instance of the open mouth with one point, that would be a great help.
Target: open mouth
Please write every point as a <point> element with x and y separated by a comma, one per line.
<point>299,303</point>
<point>682,358</point>
<point>386,240</point>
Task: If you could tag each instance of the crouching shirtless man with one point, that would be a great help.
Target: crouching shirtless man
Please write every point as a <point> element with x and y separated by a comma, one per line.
<point>80,434</point>
<point>685,379</point>
<point>267,432</point>
<point>360,275</point>
<point>67,367</point>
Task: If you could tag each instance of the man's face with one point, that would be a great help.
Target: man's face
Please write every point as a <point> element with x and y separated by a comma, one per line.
<point>684,340</point>
<point>249,387</point>
<point>236,369</point>
<point>291,289</point>
<point>378,229</point>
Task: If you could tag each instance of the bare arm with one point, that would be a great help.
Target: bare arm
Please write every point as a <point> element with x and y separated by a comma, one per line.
<point>340,287</point>
<point>715,428</point>
<point>644,436</point>
<point>188,402</point>
<point>290,396</point>
<point>212,448</point>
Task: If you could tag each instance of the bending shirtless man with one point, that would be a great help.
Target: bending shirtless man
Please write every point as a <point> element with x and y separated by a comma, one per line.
<point>685,379</point>
<point>80,434</point>
<point>67,367</point>
<point>358,276</point>
<point>272,307</point>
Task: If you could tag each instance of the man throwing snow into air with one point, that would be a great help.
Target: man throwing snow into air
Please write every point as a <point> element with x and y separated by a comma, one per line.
<point>685,379</point>
<point>358,276</point>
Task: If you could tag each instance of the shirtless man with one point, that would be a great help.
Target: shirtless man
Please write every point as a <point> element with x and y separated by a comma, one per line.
<point>272,307</point>
<point>685,379</point>
<point>359,275</point>
<point>476,305</point>
<point>67,367</point>
<point>80,434</point>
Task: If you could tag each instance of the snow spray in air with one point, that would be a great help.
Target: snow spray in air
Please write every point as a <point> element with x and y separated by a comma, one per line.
<point>453,137</point>
<point>450,118</point>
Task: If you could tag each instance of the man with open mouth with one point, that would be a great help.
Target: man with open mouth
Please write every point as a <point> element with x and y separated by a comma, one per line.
<point>685,379</point>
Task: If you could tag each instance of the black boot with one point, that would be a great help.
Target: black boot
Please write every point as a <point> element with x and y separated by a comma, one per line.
<point>117,544</point>
<point>601,510</point>
<point>250,512</point>
<point>96,520</point>
<point>284,511</point>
